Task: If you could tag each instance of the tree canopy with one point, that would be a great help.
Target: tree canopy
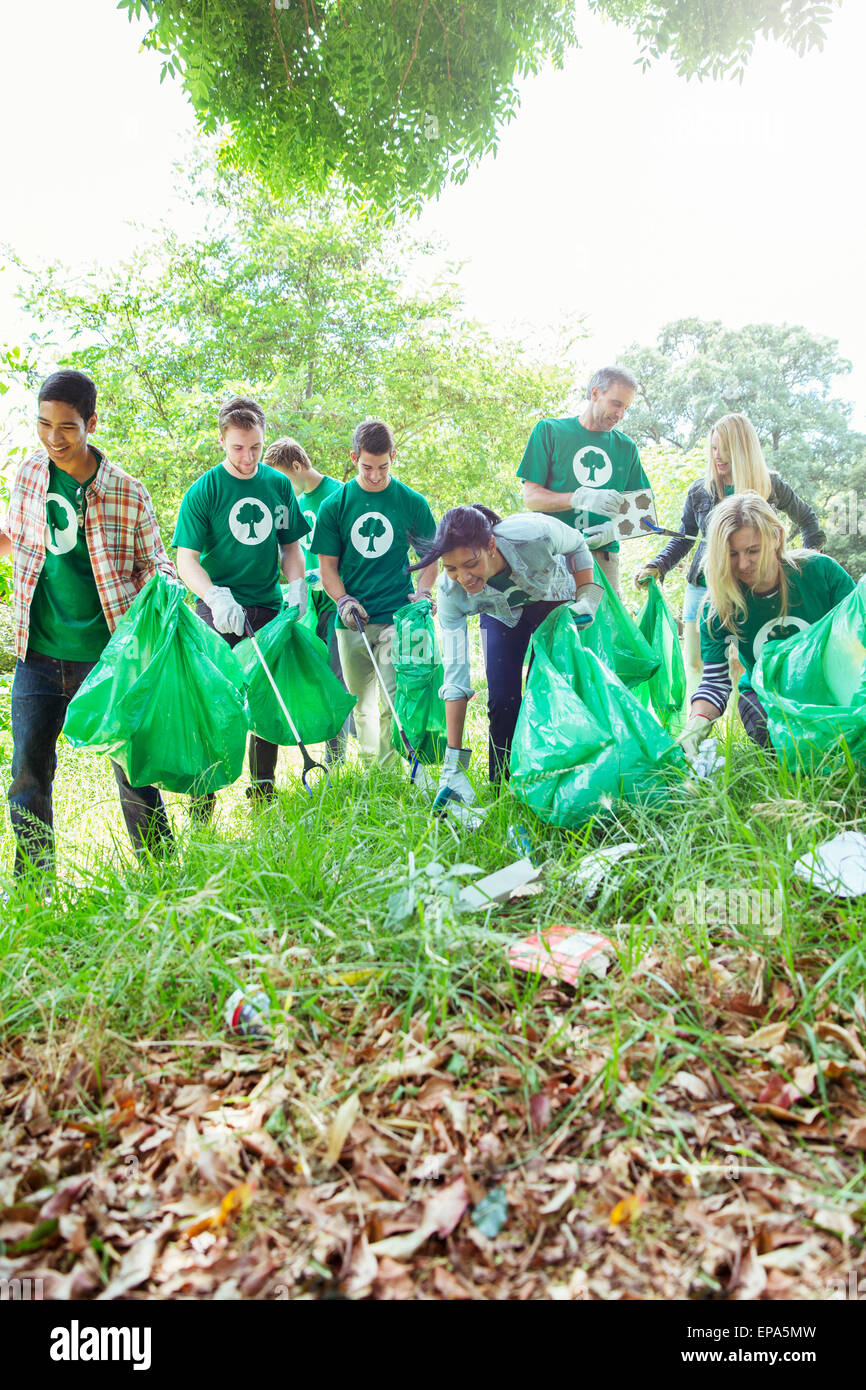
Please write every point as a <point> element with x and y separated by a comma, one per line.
<point>398,97</point>
<point>324,318</point>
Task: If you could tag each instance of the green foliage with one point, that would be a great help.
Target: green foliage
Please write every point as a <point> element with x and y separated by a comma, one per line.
<point>310,310</point>
<point>399,98</point>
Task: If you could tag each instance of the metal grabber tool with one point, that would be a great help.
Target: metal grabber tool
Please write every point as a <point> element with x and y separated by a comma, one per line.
<point>309,764</point>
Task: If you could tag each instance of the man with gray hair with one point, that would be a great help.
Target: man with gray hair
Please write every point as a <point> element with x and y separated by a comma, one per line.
<point>579,469</point>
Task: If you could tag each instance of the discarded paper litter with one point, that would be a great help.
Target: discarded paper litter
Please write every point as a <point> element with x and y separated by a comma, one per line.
<point>498,887</point>
<point>838,866</point>
<point>594,866</point>
<point>563,953</point>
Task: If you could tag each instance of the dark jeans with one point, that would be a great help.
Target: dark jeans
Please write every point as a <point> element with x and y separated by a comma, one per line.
<point>504,652</point>
<point>326,631</point>
<point>41,692</point>
<point>262,755</point>
<point>754,718</point>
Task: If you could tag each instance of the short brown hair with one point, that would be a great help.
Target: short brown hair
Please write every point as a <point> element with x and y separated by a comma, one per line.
<point>242,412</point>
<point>374,436</point>
<point>284,452</point>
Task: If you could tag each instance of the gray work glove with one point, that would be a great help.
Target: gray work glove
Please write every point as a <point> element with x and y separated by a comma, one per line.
<point>454,785</point>
<point>604,501</point>
<point>696,730</point>
<point>585,606</point>
<point>296,595</point>
<point>228,616</point>
<point>601,536</point>
<point>349,608</point>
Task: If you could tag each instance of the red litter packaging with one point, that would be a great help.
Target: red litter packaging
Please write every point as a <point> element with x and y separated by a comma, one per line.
<point>563,953</point>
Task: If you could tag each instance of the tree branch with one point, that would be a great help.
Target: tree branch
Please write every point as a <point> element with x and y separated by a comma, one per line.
<point>275,23</point>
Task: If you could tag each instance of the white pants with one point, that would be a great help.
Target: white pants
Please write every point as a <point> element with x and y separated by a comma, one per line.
<point>373,719</point>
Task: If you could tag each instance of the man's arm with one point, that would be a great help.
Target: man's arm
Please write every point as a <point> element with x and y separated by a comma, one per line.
<point>150,553</point>
<point>291,561</point>
<point>5,545</point>
<point>540,499</point>
<point>331,581</point>
<point>194,577</point>
<point>427,578</point>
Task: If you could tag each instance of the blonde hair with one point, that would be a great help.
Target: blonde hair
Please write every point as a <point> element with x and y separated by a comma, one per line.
<point>739,441</point>
<point>727,597</point>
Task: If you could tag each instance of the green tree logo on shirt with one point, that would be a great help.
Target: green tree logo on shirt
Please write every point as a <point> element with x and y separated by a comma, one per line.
<point>61,525</point>
<point>372,535</point>
<point>250,521</point>
<point>776,630</point>
<point>592,466</point>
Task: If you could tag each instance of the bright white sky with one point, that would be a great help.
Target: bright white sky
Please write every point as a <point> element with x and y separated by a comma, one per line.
<point>630,197</point>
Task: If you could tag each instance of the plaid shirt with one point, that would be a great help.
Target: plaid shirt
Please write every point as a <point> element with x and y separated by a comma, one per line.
<point>121,530</point>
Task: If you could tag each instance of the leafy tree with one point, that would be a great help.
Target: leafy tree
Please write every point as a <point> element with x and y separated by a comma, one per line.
<point>399,96</point>
<point>308,309</point>
<point>778,375</point>
<point>57,520</point>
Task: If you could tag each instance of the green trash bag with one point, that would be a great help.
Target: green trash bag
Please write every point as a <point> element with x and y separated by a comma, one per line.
<point>166,698</point>
<point>419,671</point>
<point>583,742</point>
<point>665,692</point>
<point>298,662</point>
<point>616,640</point>
<point>813,685</point>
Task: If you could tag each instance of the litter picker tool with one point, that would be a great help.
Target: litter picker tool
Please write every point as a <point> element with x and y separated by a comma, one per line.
<point>309,764</point>
<point>648,525</point>
<point>359,621</point>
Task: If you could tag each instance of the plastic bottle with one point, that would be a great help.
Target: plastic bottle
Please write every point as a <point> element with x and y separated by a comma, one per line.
<point>246,1014</point>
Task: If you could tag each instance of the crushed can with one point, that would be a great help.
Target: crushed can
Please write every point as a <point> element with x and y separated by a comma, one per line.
<point>246,1014</point>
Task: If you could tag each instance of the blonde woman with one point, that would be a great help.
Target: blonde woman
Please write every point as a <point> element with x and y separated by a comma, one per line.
<point>758,592</point>
<point>735,464</point>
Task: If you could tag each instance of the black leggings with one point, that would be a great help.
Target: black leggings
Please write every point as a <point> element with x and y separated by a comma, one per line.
<point>754,718</point>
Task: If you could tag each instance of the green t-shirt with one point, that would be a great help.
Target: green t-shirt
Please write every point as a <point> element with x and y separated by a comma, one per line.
<point>504,583</point>
<point>309,503</point>
<point>370,533</point>
<point>66,617</point>
<point>563,455</point>
<point>812,592</point>
<point>238,526</point>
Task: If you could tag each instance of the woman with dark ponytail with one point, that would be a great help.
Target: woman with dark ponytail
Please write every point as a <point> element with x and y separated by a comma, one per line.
<point>512,573</point>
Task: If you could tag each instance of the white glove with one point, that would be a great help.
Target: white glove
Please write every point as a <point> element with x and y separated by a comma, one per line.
<point>348,608</point>
<point>421,594</point>
<point>598,537</point>
<point>696,730</point>
<point>296,594</point>
<point>228,616</point>
<point>604,501</point>
<point>585,606</point>
<point>454,785</point>
<point>646,573</point>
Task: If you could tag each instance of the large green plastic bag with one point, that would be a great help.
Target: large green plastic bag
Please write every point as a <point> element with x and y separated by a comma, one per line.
<point>616,640</point>
<point>166,698</point>
<point>665,692</point>
<point>583,742</point>
<point>813,685</point>
<point>419,672</point>
<point>298,662</point>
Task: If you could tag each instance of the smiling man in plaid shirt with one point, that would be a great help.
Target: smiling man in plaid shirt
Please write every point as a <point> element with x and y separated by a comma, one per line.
<point>84,540</point>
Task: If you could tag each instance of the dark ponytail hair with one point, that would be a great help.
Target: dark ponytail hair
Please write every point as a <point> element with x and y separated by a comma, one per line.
<point>469,526</point>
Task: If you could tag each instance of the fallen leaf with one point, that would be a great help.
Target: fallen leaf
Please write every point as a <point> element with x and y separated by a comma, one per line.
<point>539,1112</point>
<point>340,1127</point>
<point>840,1222</point>
<point>448,1285</point>
<point>769,1036</point>
<point>627,1209</point>
<point>559,1199</point>
<point>856,1137</point>
<point>443,1210</point>
<point>134,1268</point>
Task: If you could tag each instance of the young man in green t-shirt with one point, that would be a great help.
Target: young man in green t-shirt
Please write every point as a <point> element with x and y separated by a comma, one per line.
<point>579,469</point>
<point>311,487</point>
<point>84,541</point>
<point>238,527</point>
<point>363,535</point>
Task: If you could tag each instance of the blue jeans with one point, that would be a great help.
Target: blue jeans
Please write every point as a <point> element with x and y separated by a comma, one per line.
<point>41,692</point>
<point>504,652</point>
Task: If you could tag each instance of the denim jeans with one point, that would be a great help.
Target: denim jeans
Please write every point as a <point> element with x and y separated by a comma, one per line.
<point>41,692</point>
<point>262,755</point>
<point>504,652</point>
